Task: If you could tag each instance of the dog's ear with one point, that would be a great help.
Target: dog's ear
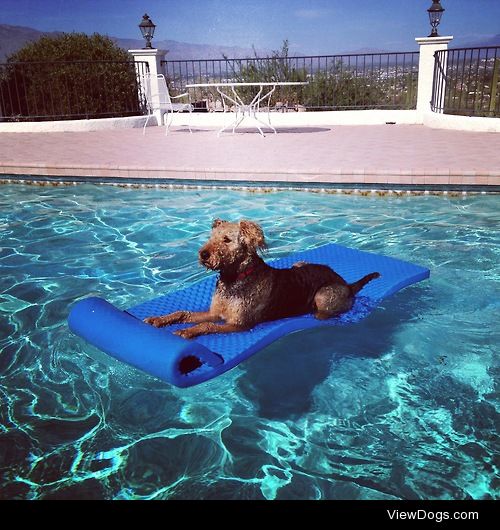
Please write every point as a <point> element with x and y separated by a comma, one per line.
<point>252,234</point>
<point>217,222</point>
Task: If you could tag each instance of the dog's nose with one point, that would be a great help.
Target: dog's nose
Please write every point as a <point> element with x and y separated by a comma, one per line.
<point>204,254</point>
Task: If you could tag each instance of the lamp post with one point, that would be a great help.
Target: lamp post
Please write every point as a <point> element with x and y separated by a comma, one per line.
<point>147,29</point>
<point>435,13</point>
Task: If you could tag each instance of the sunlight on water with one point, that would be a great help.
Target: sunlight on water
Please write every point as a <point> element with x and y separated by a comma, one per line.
<point>398,406</point>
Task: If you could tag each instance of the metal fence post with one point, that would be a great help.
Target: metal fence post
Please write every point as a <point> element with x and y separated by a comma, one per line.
<point>440,80</point>
<point>494,86</point>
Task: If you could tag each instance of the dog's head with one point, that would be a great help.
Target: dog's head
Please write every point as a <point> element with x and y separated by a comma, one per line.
<point>231,244</point>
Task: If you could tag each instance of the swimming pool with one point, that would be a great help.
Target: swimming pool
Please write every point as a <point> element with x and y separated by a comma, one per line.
<point>401,405</point>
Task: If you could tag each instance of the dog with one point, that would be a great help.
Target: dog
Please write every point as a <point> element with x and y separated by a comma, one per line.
<point>249,291</point>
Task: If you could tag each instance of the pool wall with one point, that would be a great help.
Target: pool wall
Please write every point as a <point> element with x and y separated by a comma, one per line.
<point>354,188</point>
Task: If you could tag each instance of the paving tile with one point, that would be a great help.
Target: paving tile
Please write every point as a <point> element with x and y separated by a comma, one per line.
<point>469,179</point>
<point>398,179</point>
<point>482,180</point>
<point>418,179</point>
<point>437,179</point>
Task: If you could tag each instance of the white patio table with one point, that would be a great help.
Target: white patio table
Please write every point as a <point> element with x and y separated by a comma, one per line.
<point>229,92</point>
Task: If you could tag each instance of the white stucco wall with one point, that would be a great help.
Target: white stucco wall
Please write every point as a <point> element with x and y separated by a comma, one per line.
<point>75,125</point>
<point>461,123</point>
<point>278,119</point>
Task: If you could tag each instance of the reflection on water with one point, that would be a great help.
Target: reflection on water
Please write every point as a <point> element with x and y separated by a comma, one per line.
<point>400,405</point>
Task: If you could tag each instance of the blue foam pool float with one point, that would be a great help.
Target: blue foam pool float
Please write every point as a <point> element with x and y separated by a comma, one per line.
<point>182,362</point>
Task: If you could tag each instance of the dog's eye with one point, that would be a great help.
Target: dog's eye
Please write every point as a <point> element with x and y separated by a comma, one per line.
<point>227,239</point>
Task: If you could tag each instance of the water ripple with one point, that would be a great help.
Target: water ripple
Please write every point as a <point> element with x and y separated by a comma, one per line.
<point>399,406</point>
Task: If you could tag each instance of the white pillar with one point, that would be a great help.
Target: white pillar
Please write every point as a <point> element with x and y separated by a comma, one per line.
<point>153,57</point>
<point>428,46</point>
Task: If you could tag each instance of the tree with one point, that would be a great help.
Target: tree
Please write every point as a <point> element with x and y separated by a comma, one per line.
<point>72,75</point>
<point>277,67</point>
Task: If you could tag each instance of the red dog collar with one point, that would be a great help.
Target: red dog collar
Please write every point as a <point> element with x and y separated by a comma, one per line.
<point>245,273</point>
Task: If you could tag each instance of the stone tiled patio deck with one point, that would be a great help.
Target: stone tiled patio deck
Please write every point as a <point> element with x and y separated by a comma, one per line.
<point>384,154</point>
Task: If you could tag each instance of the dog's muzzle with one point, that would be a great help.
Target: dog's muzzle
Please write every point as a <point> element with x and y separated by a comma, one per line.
<point>204,256</point>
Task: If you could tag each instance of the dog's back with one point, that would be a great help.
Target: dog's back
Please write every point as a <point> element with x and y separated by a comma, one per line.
<point>292,291</point>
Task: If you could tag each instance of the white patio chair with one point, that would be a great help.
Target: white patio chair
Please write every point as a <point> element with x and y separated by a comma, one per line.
<point>158,98</point>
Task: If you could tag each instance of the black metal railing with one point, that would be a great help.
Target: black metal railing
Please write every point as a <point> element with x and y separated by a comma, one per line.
<point>335,82</point>
<point>467,82</point>
<point>70,90</point>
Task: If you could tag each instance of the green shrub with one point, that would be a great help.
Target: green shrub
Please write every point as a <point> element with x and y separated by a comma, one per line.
<point>69,76</point>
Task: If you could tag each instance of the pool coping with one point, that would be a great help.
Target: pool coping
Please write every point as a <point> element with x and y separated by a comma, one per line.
<point>352,177</point>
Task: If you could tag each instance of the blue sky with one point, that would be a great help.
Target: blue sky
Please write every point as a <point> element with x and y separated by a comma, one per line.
<point>312,26</point>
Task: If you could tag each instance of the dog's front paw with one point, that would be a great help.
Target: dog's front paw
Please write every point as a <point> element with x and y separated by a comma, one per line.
<point>185,333</point>
<point>157,322</point>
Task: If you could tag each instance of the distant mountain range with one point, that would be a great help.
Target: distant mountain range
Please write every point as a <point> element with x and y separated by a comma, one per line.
<point>466,43</point>
<point>12,38</point>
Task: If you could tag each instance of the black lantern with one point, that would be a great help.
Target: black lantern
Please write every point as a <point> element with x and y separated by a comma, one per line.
<point>147,29</point>
<point>435,13</point>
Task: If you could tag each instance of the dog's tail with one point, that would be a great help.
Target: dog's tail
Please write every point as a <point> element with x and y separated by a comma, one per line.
<point>357,286</point>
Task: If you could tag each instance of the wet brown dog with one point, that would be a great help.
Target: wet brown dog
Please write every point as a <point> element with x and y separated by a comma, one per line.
<point>249,291</point>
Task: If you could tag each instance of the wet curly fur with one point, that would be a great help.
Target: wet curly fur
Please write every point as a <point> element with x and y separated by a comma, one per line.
<point>249,291</point>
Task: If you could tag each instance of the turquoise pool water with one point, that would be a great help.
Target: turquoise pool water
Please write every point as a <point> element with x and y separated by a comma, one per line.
<point>400,406</point>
